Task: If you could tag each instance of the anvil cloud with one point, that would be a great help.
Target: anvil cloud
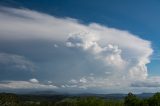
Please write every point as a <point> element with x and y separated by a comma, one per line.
<point>72,55</point>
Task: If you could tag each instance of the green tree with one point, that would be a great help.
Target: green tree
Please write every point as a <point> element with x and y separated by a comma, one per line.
<point>131,100</point>
<point>8,99</point>
<point>155,100</point>
<point>144,102</point>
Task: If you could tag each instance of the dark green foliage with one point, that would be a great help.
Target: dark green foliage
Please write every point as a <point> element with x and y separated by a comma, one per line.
<point>131,100</point>
<point>91,101</point>
<point>144,102</point>
<point>155,100</point>
<point>67,102</point>
<point>8,99</point>
<point>17,100</point>
<point>88,101</point>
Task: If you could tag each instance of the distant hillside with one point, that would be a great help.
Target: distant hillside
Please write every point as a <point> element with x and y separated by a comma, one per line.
<point>106,96</point>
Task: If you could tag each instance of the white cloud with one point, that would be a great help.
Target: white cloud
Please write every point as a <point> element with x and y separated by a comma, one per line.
<point>16,61</point>
<point>49,82</point>
<point>124,55</point>
<point>94,82</point>
<point>83,80</point>
<point>109,53</point>
<point>73,81</point>
<point>31,84</point>
<point>33,80</point>
<point>116,56</point>
<point>33,25</point>
<point>150,82</point>
<point>55,45</point>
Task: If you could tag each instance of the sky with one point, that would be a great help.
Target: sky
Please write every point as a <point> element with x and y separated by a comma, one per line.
<point>98,46</point>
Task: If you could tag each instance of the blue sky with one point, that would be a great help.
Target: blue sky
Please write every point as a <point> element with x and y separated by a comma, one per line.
<point>126,32</point>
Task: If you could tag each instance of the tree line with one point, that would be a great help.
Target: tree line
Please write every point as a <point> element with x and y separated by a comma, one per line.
<point>9,99</point>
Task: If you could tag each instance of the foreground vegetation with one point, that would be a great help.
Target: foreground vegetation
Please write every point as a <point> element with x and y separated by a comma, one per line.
<point>7,99</point>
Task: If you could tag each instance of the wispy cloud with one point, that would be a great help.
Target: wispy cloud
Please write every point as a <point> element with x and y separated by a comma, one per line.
<point>150,82</point>
<point>16,61</point>
<point>31,84</point>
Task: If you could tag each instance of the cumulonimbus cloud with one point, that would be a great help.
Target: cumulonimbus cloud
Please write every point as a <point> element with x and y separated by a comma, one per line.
<point>123,55</point>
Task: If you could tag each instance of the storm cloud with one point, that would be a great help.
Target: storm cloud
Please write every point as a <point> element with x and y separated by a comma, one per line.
<point>71,54</point>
